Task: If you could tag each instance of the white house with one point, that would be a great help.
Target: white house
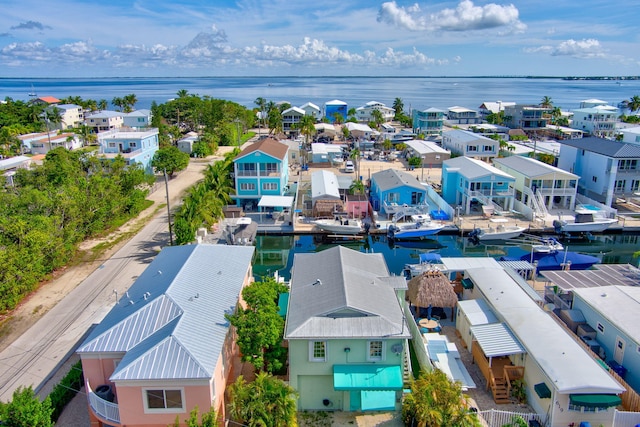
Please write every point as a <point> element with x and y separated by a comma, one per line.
<point>9,166</point>
<point>360,130</point>
<point>71,116</point>
<point>311,109</point>
<point>462,116</point>
<point>470,144</point>
<point>608,168</point>
<point>631,135</point>
<point>599,121</point>
<point>324,186</point>
<point>365,112</point>
<point>539,187</point>
<point>430,152</point>
<point>138,119</point>
<point>593,102</point>
<point>105,120</point>
<point>493,107</point>
<point>290,119</point>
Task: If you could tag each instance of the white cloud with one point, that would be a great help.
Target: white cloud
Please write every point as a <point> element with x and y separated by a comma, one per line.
<point>466,16</point>
<point>585,48</point>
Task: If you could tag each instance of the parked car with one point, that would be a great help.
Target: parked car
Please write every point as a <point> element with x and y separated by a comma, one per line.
<point>348,167</point>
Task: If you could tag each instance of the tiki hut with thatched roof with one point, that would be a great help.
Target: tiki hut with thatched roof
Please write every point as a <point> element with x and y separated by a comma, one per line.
<point>432,288</point>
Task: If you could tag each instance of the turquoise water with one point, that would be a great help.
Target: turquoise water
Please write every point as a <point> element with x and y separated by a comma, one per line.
<point>276,253</point>
<point>415,92</point>
<point>590,207</point>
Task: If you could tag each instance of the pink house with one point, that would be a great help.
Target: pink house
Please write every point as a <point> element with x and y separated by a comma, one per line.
<point>166,347</point>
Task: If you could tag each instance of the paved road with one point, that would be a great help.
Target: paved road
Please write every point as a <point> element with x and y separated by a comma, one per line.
<point>32,358</point>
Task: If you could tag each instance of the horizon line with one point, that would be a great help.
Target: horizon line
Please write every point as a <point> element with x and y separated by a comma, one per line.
<point>506,76</point>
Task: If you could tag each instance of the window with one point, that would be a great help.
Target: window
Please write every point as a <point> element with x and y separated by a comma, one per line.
<point>133,144</point>
<point>627,165</point>
<point>488,148</point>
<point>594,178</point>
<point>317,351</point>
<point>471,148</point>
<point>393,197</point>
<point>376,350</point>
<point>270,167</point>
<point>247,186</point>
<point>635,185</point>
<point>620,184</point>
<point>269,186</point>
<point>161,400</point>
<point>112,145</point>
<point>600,327</point>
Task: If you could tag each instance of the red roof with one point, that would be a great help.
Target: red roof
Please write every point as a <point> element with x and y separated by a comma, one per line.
<point>49,99</point>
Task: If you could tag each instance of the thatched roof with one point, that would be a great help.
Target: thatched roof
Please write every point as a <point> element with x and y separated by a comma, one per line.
<point>431,288</point>
<point>327,207</point>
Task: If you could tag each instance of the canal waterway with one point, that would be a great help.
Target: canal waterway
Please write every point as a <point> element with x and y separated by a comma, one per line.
<point>276,253</point>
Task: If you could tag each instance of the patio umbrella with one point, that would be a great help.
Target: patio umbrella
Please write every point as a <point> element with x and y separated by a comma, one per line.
<point>431,288</point>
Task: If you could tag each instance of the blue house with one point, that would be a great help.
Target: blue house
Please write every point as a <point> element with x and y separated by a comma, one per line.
<point>135,146</point>
<point>465,179</point>
<point>392,188</point>
<point>261,169</point>
<point>612,312</point>
<point>333,107</point>
<point>428,122</point>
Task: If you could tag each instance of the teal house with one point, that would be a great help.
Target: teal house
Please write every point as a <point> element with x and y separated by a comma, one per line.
<point>465,180</point>
<point>346,331</point>
<point>392,188</point>
<point>261,169</point>
<point>428,122</point>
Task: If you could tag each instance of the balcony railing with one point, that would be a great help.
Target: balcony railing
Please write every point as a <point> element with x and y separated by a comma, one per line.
<point>104,409</point>
<point>504,192</point>
<point>255,173</point>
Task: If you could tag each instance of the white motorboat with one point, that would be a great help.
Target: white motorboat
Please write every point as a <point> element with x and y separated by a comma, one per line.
<point>587,219</point>
<point>340,225</point>
<point>420,227</point>
<point>501,232</point>
<point>547,245</point>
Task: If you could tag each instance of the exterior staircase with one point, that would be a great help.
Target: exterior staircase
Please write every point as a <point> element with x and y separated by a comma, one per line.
<point>500,391</point>
<point>536,203</point>
<point>487,202</point>
<point>407,372</point>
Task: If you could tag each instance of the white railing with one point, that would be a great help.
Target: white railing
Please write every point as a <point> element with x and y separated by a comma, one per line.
<point>624,419</point>
<point>104,409</point>
<point>538,210</point>
<point>486,201</point>
<point>496,418</point>
<point>543,206</point>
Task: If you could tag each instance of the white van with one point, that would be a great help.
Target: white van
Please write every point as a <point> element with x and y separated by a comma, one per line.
<point>348,167</point>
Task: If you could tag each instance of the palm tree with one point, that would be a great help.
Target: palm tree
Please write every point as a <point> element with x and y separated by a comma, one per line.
<point>118,103</point>
<point>546,102</point>
<point>103,104</point>
<point>262,105</point>
<point>182,93</point>
<point>129,101</point>
<point>357,187</point>
<point>355,155</point>
<point>398,106</point>
<point>378,119</point>
<point>634,103</point>
<point>351,112</point>
<point>337,118</point>
<point>307,127</point>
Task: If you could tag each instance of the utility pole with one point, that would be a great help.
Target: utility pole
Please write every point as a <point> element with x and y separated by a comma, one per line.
<point>166,186</point>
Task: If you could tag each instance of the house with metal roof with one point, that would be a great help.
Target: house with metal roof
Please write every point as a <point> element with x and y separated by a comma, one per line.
<point>104,120</point>
<point>491,107</point>
<point>462,116</point>
<point>311,109</point>
<point>136,146</point>
<point>465,179</point>
<point>346,331</point>
<point>612,313</point>
<point>333,108</point>
<point>631,135</point>
<point>526,117</point>
<point>138,118</point>
<point>431,154</point>
<point>290,119</point>
<point>608,168</point>
<point>261,169</point>
<point>600,120</point>
<point>510,331</point>
<point>470,144</point>
<point>365,113</point>
<point>539,187</point>
<point>392,188</point>
<point>428,122</point>
<point>70,115</point>
<point>166,347</point>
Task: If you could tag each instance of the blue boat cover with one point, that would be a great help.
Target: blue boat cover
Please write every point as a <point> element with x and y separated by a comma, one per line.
<point>430,257</point>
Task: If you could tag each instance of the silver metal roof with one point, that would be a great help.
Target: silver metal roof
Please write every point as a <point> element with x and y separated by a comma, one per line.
<point>531,167</point>
<point>495,340</point>
<point>171,323</point>
<point>618,304</point>
<point>343,293</point>
<point>473,168</point>
<point>324,185</point>
<point>477,311</point>
<point>567,365</point>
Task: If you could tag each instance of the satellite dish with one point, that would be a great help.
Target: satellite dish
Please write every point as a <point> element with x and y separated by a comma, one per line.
<point>396,348</point>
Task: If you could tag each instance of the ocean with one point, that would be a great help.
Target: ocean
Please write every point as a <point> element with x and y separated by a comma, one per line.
<point>415,92</point>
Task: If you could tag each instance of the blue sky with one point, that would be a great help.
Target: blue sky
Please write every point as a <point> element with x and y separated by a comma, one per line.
<point>78,38</point>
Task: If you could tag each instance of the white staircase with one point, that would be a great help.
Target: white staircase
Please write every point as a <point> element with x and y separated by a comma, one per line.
<point>537,203</point>
<point>487,201</point>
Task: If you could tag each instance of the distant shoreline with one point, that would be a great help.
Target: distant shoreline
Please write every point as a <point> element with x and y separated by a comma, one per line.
<point>613,78</point>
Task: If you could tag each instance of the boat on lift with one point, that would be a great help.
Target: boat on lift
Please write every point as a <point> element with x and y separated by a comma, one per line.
<point>420,227</point>
<point>586,219</point>
<point>549,254</point>
<point>339,225</point>
<point>501,232</point>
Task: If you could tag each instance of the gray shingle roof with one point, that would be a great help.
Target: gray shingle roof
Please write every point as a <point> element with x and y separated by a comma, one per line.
<point>393,178</point>
<point>343,293</point>
<point>606,147</point>
<point>171,324</point>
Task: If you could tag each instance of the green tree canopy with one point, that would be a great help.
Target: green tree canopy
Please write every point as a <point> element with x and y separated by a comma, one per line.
<point>260,328</point>
<point>26,409</point>
<point>170,159</point>
<point>435,401</point>
<point>265,402</point>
